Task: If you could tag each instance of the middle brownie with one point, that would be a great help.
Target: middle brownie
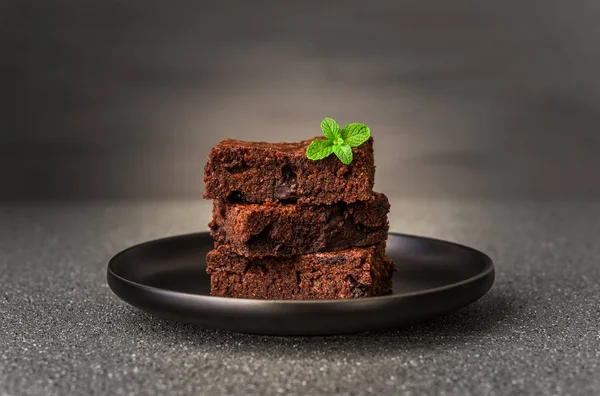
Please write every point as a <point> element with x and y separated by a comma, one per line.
<point>273,229</point>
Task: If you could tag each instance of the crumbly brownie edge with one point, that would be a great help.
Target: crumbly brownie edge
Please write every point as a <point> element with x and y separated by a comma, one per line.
<point>254,230</point>
<point>240,171</point>
<point>353,273</point>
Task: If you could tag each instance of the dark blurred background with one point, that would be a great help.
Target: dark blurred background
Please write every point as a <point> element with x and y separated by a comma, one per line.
<point>122,99</point>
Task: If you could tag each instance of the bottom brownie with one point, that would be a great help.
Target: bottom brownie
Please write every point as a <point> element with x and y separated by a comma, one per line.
<point>350,273</point>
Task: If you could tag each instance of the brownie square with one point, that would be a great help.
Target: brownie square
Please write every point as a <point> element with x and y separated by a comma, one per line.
<point>350,273</point>
<point>274,229</point>
<point>258,172</point>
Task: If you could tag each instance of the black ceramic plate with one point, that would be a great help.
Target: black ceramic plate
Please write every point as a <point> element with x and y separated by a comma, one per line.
<point>166,277</point>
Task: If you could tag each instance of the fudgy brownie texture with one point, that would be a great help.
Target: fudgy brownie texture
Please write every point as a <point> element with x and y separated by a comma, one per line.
<point>258,172</point>
<point>350,273</point>
<point>274,229</point>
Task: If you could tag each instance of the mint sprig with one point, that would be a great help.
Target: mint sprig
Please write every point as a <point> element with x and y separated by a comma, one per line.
<point>338,141</point>
<point>330,129</point>
<point>319,149</point>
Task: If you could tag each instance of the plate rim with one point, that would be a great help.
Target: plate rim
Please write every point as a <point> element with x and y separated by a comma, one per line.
<point>488,270</point>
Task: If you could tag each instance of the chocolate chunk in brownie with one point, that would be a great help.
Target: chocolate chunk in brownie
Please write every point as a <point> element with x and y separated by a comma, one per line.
<point>258,172</point>
<point>274,229</point>
<point>350,273</point>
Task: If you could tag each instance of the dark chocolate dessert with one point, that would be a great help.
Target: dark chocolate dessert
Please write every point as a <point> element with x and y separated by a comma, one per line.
<point>258,172</point>
<point>298,220</point>
<point>274,229</point>
<point>350,273</point>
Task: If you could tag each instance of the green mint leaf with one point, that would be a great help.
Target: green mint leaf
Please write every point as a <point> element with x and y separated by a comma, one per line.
<point>331,129</point>
<point>319,149</point>
<point>355,134</point>
<point>343,152</point>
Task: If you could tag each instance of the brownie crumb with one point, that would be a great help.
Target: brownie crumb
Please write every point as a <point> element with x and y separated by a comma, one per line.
<point>235,196</point>
<point>357,289</point>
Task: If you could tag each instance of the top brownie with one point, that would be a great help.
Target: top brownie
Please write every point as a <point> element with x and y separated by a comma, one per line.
<point>256,172</point>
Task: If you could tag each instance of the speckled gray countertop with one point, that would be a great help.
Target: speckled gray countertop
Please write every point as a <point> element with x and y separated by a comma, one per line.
<point>536,332</point>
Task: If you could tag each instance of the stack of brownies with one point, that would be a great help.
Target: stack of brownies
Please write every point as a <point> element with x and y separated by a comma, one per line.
<point>287,227</point>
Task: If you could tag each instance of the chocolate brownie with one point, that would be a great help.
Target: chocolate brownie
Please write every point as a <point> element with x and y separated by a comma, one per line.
<point>350,273</point>
<point>274,229</point>
<point>258,172</point>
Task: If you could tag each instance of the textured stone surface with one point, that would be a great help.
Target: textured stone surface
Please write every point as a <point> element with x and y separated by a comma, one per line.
<point>537,332</point>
